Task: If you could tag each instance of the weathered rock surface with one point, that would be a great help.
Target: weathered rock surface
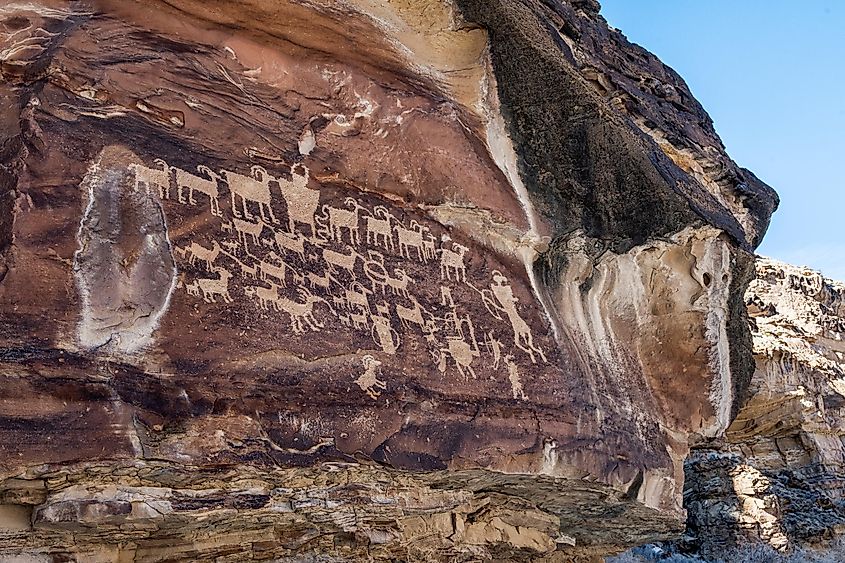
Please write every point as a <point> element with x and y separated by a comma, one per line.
<point>409,280</point>
<point>778,476</point>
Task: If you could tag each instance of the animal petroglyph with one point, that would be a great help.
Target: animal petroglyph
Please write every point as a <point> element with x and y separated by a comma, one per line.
<point>290,243</point>
<point>219,286</point>
<point>378,228</point>
<point>369,381</point>
<point>186,180</point>
<point>251,189</point>
<point>149,177</point>
<point>412,238</point>
<point>248,229</point>
<point>267,270</point>
<point>343,261</point>
<point>452,261</point>
<point>196,252</point>
<point>339,219</point>
<point>301,314</point>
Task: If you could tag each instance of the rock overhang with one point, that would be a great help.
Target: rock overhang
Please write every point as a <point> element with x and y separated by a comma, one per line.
<point>527,279</point>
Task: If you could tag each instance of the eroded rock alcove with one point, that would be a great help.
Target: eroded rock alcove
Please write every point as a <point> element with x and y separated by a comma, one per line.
<point>391,280</point>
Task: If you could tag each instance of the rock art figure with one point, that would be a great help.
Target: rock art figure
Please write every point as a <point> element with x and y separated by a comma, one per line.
<point>500,299</point>
<point>301,314</point>
<point>452,261</point>
<point>343,261</point>
<point>246,228</point>
<point>186,180</point>
<point>513,377</point>
<point>339,219</point>
<point>384,335</point>
<point>153,177</point>
<point>378,229</point>
<point>294,242</point>
<point>196,252</point>
<point>412,238</point>
<point>369,381</point>
<point>255,189</point>
<point>301,201</point>
<point>219,286</point>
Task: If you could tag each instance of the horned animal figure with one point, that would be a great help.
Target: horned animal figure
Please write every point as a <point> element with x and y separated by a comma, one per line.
<point>186,180</point>
<point>301,314</point>
<point>452,261</point>
<point>343,219</point>
<point>379,231</point>
<point>219,286</point>
<point>153,177</point>
<point>412,238</point>
<point>255,189</point>
<point>196,252</point>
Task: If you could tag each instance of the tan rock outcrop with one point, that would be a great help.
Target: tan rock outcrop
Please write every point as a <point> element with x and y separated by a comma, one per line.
<point>777,476</point>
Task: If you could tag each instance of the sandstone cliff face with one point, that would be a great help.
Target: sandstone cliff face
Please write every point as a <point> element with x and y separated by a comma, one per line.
<point>777,477</point>
<point>356,280</point>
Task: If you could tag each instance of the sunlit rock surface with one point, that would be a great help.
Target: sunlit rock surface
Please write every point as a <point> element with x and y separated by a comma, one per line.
<point>404,280</point>
<point>778,476</point>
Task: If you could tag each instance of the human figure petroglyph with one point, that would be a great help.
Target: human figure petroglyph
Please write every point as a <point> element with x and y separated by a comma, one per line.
<point>219,286</point>
<point>293,242</point>
<point>255,189</point>
<point>452,260</point>
<point>515,380</point>
<point>412,238</point>
<point>500,299</point>
<point>385,335</point>
<point>339,219</point>
<point>193,183</point>
<point>378,228</point>
<point>494,347</point>
<point>196,252</point>
<point>301,201</point>
<point>159,178</point>
<point>369,381</point>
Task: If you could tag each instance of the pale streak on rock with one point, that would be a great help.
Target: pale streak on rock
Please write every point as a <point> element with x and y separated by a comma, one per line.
<point>124,266</point>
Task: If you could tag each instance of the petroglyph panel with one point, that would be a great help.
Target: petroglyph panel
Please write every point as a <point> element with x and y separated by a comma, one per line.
<point>323,261</point>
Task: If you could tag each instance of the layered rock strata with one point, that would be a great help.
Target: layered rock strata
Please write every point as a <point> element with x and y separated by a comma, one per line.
<point>391,280</point>
<point>777,477</point>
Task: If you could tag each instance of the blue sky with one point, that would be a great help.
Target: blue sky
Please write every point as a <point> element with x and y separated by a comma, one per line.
<point>771,74</point>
